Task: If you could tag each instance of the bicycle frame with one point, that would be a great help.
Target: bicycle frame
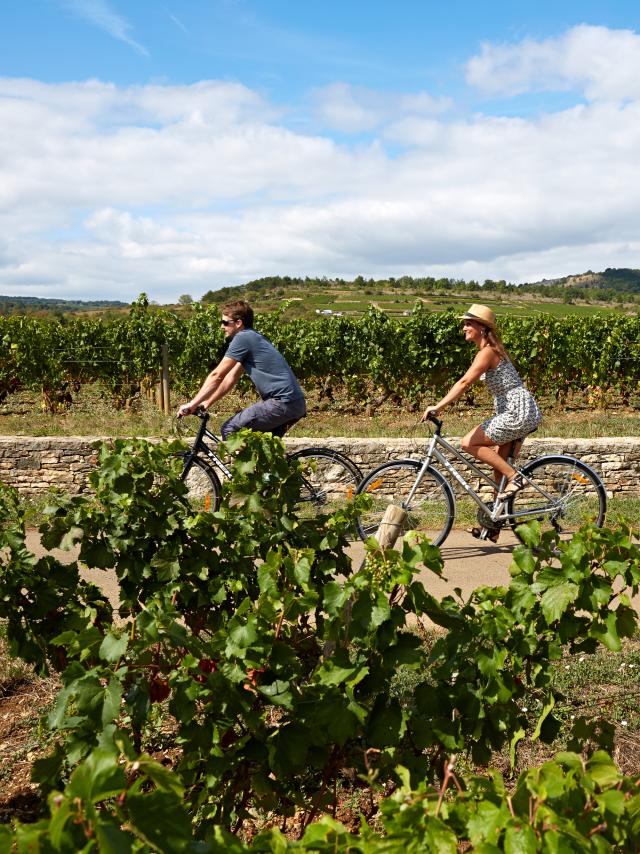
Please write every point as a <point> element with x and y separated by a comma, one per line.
<point>496,513</point>
<point>313,494</point>
<point>199,444</point>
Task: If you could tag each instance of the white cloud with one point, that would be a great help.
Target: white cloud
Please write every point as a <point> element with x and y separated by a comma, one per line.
<point>354,109</point>
<point>604,63</point>
<point>178,189</point>
<point>101,15</point>
<point>179,23</point>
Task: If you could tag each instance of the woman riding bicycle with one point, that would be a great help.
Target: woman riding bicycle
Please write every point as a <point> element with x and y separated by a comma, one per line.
<point>516,412</point>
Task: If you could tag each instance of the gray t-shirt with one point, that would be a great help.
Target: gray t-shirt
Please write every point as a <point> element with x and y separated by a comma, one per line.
<point>266,367</point>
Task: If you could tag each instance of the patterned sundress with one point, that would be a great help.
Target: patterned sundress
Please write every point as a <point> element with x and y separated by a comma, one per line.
<point>517,412</point>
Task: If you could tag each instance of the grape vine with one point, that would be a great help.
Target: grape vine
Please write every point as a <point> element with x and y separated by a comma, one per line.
<point>270,660</point>
<point>369,358</point>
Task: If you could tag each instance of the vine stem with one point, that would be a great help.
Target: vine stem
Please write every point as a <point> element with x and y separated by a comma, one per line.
<point>449,765</point>
<point>279,626</point>
<point>315,804</point>
<point>597,829</point>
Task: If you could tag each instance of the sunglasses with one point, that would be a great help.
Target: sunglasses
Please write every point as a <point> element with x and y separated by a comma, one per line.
<point>226,322</point>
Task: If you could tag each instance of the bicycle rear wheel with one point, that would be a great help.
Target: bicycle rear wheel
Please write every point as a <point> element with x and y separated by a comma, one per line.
<point>203,486</point>
<point>432,507</point>
<point>329,479</point>
<point>569,495</point>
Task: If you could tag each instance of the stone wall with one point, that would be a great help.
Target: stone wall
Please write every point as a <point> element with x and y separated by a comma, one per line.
<point>616,460</point>
<point>35,465</point>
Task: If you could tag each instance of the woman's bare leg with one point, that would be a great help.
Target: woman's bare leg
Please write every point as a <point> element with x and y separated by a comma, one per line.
<point>480,446</point>
<point>511,449</point>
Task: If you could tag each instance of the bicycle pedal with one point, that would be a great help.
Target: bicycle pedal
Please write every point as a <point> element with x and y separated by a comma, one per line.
<point>490,534</point>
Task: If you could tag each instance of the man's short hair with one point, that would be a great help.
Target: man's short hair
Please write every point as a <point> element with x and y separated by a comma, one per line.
<point>239,310</point>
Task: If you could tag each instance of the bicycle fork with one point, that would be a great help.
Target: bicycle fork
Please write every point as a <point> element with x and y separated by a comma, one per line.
<point>421,474</point>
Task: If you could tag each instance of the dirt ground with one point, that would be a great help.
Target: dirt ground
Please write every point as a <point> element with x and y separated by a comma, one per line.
<point>23,700</point>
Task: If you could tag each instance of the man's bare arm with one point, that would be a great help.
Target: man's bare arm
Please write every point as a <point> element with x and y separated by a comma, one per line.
<point>225,386</point>
<point>221,379</point>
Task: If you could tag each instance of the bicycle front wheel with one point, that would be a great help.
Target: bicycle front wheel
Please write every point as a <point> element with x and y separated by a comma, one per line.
<point>329,479</point>
<point>430,511</point>
<point>203,486</point>
<point>564,495</point>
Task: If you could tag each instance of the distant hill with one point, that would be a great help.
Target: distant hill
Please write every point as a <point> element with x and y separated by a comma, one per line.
<point>311,295</point>
<point>21,305</point>
<point>619,279</point>
<point>614,284</point>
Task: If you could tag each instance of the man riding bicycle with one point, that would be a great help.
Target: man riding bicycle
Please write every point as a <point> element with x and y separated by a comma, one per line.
<point>282,400</point>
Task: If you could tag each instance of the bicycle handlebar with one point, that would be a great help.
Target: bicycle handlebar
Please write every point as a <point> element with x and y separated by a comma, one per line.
<point>437,421</point>
<point>179,425</point>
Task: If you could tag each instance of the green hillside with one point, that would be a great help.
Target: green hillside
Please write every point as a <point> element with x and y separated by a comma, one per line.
<point>559,297</point>
<point>614,290</point>
<point>27,305</point>
<point>622,280</point>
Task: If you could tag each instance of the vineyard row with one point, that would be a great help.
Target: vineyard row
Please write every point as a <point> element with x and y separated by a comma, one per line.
<point>408,358</point>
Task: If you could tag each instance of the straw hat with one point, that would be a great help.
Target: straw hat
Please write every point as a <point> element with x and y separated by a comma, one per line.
<point>482,314</point>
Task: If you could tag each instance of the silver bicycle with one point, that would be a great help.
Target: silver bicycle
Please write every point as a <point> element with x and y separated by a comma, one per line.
<point>561,492</point>
<point>328,478</point>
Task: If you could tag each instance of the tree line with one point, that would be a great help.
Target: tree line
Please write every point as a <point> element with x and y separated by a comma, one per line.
<point>618,285</point>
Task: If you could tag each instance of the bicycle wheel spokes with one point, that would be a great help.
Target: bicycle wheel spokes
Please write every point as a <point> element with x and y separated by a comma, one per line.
<point>569,495</point>
<point>203,486</point>
<point>431,508</point>
<point>328,481</point>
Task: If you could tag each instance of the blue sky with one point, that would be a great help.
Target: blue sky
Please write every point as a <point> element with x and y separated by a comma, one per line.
<point>283,48</point>
<point>177,147</point>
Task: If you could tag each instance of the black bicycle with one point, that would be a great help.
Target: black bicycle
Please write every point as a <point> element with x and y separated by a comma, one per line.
<point>328,477</point>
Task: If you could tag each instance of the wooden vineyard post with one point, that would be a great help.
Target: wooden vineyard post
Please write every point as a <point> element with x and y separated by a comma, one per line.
<point>388,532</point>
<point>165,399</point>
<point>391,526</point>
<point>390,529</point>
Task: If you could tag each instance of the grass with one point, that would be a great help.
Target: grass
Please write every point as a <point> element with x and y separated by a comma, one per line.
<point>623,509</point>
<point>603,686</point>
<point>34,507</point>
<point>520,308</point>
<point>402,424</point>
<point>93,415</point>
<point>395,300</point>
<point>605,681</point>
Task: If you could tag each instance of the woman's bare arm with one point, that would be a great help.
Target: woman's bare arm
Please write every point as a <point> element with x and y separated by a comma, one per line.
<point>484,360</point>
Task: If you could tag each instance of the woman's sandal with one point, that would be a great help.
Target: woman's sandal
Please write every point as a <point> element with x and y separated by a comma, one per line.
<point>492,536</point>
<point>516,483</point>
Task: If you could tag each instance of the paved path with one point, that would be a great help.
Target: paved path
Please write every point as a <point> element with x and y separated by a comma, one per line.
<point>104,579</point>
<point>468,564</point>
